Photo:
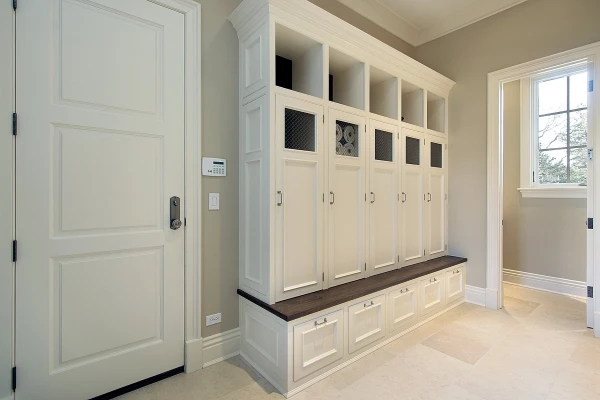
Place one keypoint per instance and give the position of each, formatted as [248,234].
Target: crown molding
[395,23]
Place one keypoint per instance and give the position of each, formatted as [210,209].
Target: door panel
[347,179]
[318,343]
[455,283]
[299,198]
[366,323]
[383,198]
[432,295]
[100,152]
[403,306]
[436,199]
[413,197]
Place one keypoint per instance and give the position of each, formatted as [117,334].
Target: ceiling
[420,21]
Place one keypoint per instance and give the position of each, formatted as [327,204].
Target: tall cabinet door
[383,198]
[347,178]
[298,195]
[413,196]
[436,197]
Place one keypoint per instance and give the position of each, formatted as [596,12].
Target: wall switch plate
[213,201]
[213,319]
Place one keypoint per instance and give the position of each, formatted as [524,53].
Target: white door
[436,198]
[413,196]
[347,179]
[299,197]
[100,99]
[383,198]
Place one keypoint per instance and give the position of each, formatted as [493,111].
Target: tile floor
[537,347]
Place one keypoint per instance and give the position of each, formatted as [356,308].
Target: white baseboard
[546,283]
[475,295]
[221,346]
[491,299]
[11,397]
[193,355]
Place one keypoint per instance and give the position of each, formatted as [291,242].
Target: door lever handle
[175,205]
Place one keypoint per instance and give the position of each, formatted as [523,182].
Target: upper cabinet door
[436,197]
[254,56]
[382,197]
[346,141]
[298,199]
[413,196]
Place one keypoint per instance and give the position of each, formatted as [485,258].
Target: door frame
[495,136]
[191,11]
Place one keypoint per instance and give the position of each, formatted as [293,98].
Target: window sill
[554,193]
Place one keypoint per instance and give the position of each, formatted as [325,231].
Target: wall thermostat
[214,166]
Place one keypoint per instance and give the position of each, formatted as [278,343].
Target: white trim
[221,346]
[546,283]
[475,295]
[390,20]
[554,192]
[495,163]
[193,355]
[11,397]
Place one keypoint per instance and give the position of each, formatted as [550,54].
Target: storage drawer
[432,294]
[455,283]
[403,306]
[366,323]
[318,343]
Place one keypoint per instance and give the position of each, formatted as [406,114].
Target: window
[554,133]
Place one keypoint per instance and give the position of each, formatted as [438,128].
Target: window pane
[579,128]
[300,130]
[384,145]
[578,166]
[552,131]
[553,166]
[553,95]
[579,92]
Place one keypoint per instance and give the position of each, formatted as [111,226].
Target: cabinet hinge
[323,118]
[423,253]
[323,276]
[15,5]
[365,197]
[323,197]
[185,222]
[398,258]
[14,379]
[590,292]
[590,86]
[533,175]
[14,124]
[14,251]
[590,223]
[365,266]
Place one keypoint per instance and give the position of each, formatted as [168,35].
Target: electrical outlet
[213,319]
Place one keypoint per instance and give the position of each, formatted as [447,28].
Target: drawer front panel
[318,343]
[403,307]
[455,283]
[432,294]
[366,323]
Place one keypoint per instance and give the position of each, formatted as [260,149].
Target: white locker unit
[347,143]
[321,155]
[383,197]
[437,189]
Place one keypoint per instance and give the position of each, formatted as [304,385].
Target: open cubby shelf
[413,104]
[383,93]
[436,113]
[346,80]
[299,62]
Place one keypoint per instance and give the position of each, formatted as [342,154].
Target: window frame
[530,138]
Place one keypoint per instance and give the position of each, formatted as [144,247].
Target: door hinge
[423,252]
[590,86]
[323,118]
[590,223]
[14,379]
[533,175]
[365,266]
[365,197]
[323,197]
[185,222]
[14,251]
[323,276]
[590,154]
[398,258]
[590,292]
[15,5]
[14,124]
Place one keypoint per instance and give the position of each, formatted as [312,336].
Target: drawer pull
[322,323]
[433,280]
[369,305]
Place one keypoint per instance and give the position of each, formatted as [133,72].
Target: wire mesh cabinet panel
[413,196]
[382,197]
[299,213]
[436,197]
[346,141]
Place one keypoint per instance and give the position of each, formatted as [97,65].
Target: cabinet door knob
[322,323]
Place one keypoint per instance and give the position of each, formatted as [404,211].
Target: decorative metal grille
[384,145]
[436,155]
[413,151]
[300,130]
[346,139]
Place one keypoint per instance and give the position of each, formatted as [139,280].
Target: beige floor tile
[587,352]
[576,382]
[519,308]
[461,342]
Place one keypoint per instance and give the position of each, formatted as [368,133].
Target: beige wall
[220,139]
[541,236]
[531,30]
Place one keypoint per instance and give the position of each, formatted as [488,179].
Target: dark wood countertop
[302,306]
